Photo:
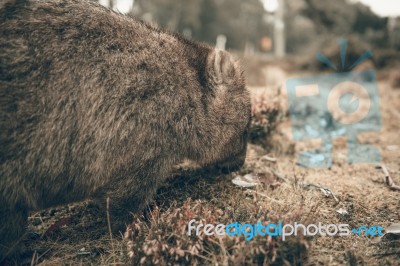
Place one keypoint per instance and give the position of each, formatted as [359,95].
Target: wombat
[95,104]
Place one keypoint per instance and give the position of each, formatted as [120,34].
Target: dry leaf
[249,180]
[326,191]
[342,211]
[269,179]
[56,226]
[267,158]
[393,229]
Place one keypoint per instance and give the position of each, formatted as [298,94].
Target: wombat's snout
[235,153]
[232,164]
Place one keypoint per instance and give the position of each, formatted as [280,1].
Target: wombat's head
[228,112]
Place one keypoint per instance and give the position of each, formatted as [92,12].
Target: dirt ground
[78,234]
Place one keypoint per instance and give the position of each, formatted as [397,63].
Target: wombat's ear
[221,67]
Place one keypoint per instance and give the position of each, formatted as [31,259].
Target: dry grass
[159,235]
[164,240]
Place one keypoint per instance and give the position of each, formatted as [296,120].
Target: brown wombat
[94,103]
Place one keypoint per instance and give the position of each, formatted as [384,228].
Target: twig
[388,180]
[34,259]
[109,225]
[327,192]
[385,254]
[268,158]
[279,176]
[42,255]
[198,255]
[266,196]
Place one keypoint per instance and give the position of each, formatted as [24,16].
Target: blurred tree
[208,20]
[330,16]
[342,18]
[240,21]
[172,14]
[366,19]
[244,22]
[111,3]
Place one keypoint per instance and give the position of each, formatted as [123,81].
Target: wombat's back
[93,103]
[81,90]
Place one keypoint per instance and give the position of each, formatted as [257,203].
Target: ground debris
[326,191]
[388,180]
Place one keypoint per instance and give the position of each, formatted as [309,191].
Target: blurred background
[274,27]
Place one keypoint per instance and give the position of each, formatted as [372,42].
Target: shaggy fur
[94,103]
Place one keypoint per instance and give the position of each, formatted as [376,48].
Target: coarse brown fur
[94,103]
